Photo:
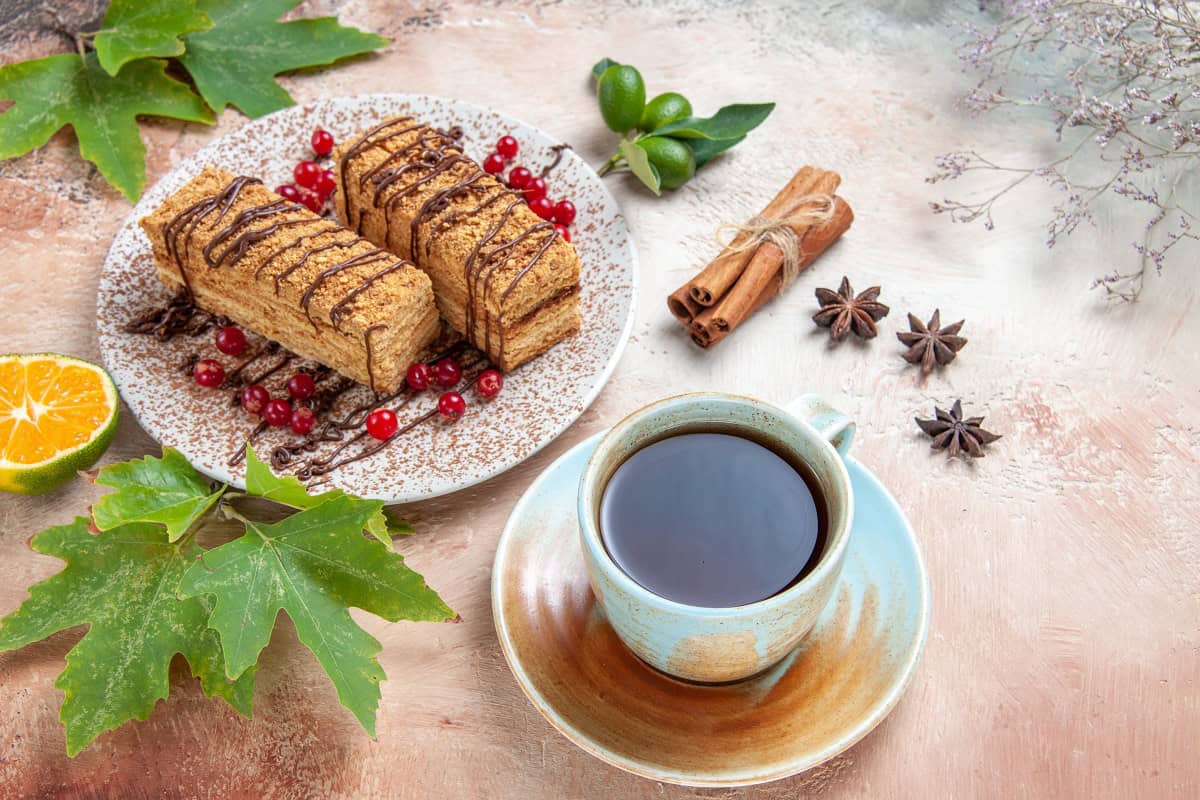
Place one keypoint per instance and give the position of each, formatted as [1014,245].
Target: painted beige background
[1065,651]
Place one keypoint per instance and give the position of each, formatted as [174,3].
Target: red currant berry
[255,399]
[288,191]
[231,341]
[311,201]
[277,413]
[418,377]
[452,406]
[325,184]
[507,147]
[305,174]
[493,164]
[447,372]
[303,420]
[562,231]
[489,383]
[519,177]
[301,386]
[322,142]
[382,423]
[536,188]
[209,373]
[564,212]
[542,207]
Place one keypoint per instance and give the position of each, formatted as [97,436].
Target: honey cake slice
[303,280]
[501,275]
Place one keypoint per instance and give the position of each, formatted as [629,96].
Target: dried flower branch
[1121,80]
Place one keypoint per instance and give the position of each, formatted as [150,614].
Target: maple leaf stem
[251,524]
[232,513]
[84,40]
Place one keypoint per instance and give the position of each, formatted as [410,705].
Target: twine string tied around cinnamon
[781,231]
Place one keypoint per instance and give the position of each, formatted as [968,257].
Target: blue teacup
[718,645]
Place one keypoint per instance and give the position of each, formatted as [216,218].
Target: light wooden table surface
[1065,567]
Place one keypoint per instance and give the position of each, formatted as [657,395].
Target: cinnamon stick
[715,279]
[763,264]
[706,333]
[762,278]
[682,306]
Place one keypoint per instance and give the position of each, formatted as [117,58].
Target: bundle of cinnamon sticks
[754,266]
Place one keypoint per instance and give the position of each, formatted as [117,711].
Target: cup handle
[829,422]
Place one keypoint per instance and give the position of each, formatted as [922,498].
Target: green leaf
[640,165]
[121,584]
[601,65]
[730,122]
[397,526]
[314,565]
[165,490]
[235,62]
[285,489]
[706,149]
[134,29]
[51,92]
[288,490]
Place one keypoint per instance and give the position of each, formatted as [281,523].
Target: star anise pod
[930,343]
[954,434]
[842,311]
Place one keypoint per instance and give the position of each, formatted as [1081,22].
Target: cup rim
[830,559]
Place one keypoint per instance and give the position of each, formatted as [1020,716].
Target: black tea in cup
[713,519]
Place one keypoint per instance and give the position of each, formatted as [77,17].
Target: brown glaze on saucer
[820,700]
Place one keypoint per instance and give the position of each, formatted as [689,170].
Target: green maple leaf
[285,489]
[134,29]
[165,490]
[396,526]
[314,565]
[74,90]
[289,491]
[235,62]
[121,584]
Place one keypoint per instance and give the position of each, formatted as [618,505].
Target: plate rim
[204,155]
[907,668]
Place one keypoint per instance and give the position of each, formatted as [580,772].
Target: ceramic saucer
[845,678]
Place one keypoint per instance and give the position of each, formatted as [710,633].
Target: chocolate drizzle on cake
[403,171]
[243,243]
[185,222]
[338,311]
[230,244]
[278,251]
[360,260]
[241,220]
[340,438]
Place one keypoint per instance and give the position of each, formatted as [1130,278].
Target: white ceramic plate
[539,400]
